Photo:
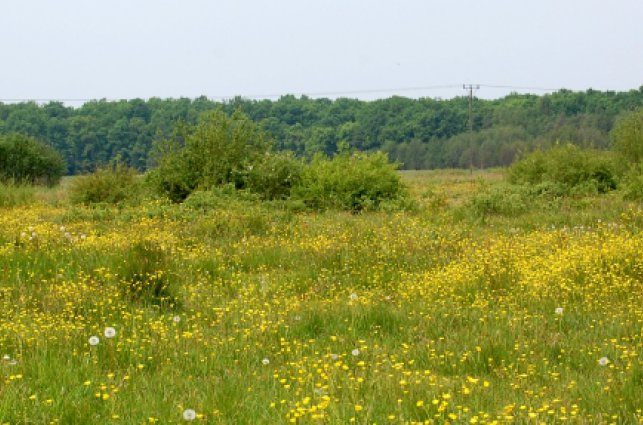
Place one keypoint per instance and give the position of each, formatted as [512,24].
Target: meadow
[476,306]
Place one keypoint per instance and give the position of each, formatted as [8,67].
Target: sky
[367,49]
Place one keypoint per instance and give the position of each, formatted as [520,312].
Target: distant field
[478,305]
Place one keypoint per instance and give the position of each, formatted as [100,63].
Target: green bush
[627,136]
[275,175]
[631,186]
[353,182]
[25,160]
[110,184]
[219,150]
[571,169]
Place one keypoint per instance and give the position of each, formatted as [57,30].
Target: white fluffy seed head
[189,414]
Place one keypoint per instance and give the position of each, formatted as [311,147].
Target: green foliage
[275,175]
[575,170]
[144,275]
[12,195]
[627,136]
[352,182]
[110,184]
[420,133]
[219,150]
[504,200]
[25,160]
[631,186]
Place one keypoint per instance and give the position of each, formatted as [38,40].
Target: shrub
[571,168]
[627,136]
[25,160]
[631,185]
[275,175]
[110,184]
[219,150]
[353,182]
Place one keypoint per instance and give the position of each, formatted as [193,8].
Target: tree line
[419,133]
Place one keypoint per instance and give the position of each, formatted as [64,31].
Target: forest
[420,133]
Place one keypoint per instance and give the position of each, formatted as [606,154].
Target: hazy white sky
[88,49]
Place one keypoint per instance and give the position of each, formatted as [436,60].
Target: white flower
[176,319]
[93,340]
[110,332]
[603,361]
[355,352]
[558,311]
[353,296]
[265,361]
[189,414]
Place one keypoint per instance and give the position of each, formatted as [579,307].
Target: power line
[323,93]
[500,86]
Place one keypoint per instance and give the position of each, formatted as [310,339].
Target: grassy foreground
[248,313]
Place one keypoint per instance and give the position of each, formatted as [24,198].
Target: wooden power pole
[471,88]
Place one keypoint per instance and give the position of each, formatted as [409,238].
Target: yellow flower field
[254,314]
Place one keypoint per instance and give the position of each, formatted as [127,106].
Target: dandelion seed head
[189,414]
[176,319]
[110,332]
[93,340]
[265,361]
[355,352]
[353,296]
[558,311]
[603,361]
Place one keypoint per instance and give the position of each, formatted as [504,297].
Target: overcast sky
[92,49]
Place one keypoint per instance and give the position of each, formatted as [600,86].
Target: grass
[432,315]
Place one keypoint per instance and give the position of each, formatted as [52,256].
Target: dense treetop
[421,133]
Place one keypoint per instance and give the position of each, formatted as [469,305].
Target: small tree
[627,136]
[219,150]
[25,160]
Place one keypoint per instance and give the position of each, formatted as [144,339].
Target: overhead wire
[312,94]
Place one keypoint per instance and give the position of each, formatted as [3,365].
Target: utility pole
[471,88]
